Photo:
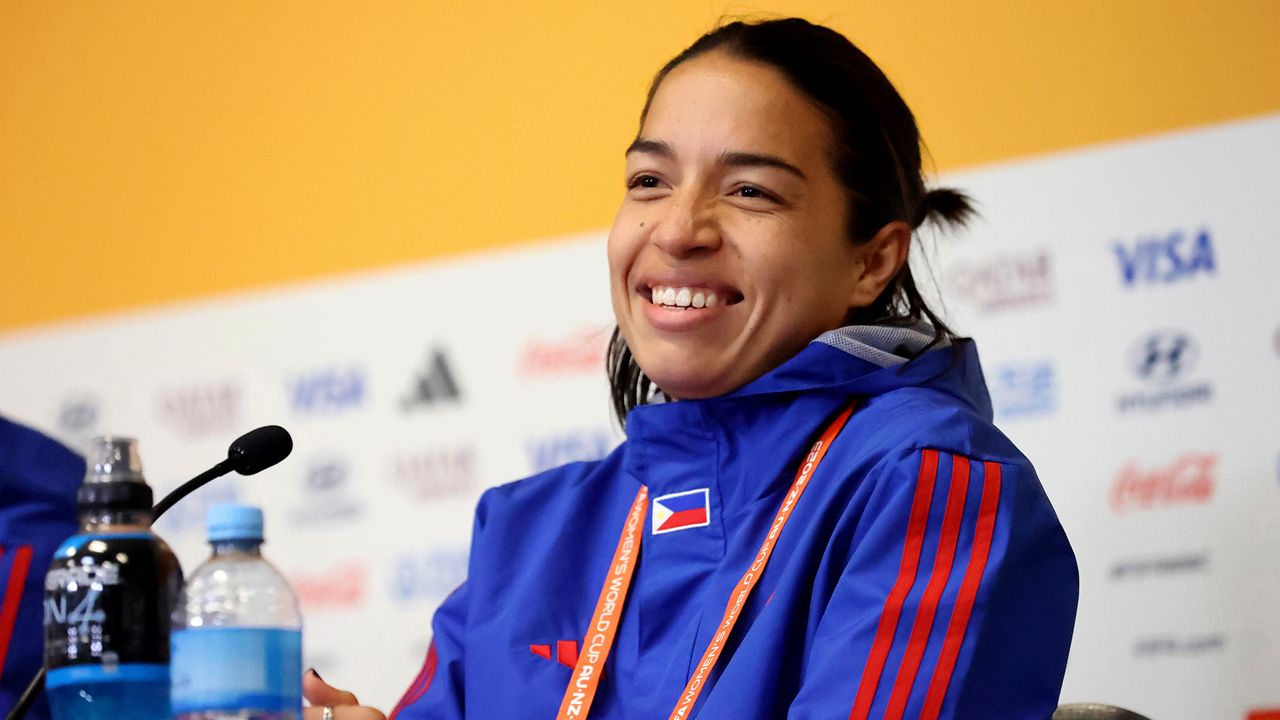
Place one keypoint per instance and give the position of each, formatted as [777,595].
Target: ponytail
[946,208]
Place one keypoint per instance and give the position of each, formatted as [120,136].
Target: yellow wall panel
[153,151]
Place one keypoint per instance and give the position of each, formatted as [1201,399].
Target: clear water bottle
[109,595]
[237,640]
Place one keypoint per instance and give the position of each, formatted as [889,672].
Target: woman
[721,563]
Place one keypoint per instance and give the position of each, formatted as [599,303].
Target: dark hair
[877,156]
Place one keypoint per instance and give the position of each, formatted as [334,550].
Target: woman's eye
[643,181]
[753,192]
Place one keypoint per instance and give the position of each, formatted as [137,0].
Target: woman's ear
[879,260]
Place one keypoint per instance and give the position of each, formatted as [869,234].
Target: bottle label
[237,668]
[108,600]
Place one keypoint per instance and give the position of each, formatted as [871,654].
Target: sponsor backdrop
[1126,313]
[1122,295]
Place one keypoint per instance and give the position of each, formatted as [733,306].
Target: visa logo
[327,390]
[1177,256]
[548,452]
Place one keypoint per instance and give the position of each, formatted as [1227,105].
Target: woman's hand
[345,705]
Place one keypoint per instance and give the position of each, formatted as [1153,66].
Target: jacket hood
[870,360]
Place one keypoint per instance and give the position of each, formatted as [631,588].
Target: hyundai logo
[325,476]
[1164,356]
[78,415]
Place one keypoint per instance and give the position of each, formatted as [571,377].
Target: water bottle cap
[234,522]
[113,459]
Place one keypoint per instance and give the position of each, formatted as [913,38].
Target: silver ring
[328,713]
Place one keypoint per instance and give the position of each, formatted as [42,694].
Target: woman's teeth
[684,297]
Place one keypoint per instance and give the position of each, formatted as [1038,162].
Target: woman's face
[731,250]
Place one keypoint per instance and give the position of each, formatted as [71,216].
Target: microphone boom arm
[189,487]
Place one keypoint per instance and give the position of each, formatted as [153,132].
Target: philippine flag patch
[681,511]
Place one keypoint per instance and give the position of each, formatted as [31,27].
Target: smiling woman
[812,515]
[767,154]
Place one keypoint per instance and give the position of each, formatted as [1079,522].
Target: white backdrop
[1128,316]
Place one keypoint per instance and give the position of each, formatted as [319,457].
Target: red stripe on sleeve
[421,684]
[12,599]
[968,592]
[916,527]
[942,563]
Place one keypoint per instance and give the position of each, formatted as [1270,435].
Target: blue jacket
[38,482]
[922,574]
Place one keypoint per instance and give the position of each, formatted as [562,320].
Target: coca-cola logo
[582,351]
[1189,480]
[341,586]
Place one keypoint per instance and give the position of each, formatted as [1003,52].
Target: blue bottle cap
[234,522]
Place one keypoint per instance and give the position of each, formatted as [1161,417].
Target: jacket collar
[745,441]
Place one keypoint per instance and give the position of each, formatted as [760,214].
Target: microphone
[249,454]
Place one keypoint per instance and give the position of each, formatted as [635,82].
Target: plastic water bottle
[109,595]
[237,640]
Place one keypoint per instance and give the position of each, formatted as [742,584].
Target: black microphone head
[259,449]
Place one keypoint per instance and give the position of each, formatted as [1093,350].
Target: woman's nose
[687,227]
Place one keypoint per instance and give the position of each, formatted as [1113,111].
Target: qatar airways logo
[580,352]
[1188,480]
[1004,282]
[341,586]
[436,473]
[200,409]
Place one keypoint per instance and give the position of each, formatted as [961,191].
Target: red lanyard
[581,691]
